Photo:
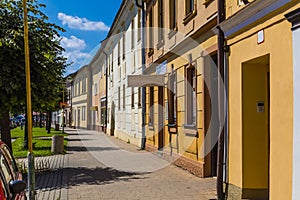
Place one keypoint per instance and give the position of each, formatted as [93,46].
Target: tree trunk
[41,116]
[5,129]
[49,122]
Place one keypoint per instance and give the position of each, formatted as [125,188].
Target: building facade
[95,66]
[80,100]
[123,51]
[181,49]
[260,99]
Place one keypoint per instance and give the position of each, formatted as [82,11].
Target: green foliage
[47,64]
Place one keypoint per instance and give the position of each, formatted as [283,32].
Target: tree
[47,64]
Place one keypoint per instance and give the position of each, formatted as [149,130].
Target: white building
[123,49]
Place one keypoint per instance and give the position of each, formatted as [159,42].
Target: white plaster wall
[296,145]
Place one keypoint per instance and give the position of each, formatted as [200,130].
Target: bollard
[57,144]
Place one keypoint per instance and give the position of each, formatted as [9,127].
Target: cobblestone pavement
[102,167]
[86,177]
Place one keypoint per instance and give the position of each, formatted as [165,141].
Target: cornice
[250,14]
[294,18]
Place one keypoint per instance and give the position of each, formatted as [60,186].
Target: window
[103,111]
[119,52]
[112,60]
[172,99]
[75,89]
[191,96]
[95,89]
[151,106]
[119,98]
[84,85]
[160,20]
[139,25]
[83,113]
[173,14]
[124,99]
[124,44]
[133,61]
[132,97]
[189,6]
[78,88]
[139,96]
[132,33]
[150,32]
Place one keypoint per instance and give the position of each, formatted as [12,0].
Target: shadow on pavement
[76,140]
[53,180]
[98,176]
[76,133]
[80,148]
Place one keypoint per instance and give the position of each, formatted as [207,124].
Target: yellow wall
[190,147]
[278,43]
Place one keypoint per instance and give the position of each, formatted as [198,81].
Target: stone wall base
[237,193]
[194,167]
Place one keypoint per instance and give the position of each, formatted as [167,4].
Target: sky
[86,23]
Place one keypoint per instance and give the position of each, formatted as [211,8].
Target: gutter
[142,7]
[221,100]
[106,91]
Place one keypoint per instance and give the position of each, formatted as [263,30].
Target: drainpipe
[106,91]
[142,7]
[221,100]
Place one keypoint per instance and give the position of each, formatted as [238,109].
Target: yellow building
[80,102]
[181,65]
[260,98]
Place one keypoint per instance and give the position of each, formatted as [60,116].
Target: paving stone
[97,166]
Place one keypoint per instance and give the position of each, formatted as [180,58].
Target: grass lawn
[36,132]
[41,139]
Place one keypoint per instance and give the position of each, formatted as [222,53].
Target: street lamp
[30,155]
[63,113]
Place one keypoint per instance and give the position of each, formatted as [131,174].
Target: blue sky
[86,24]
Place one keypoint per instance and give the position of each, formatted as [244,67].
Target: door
[211,118]
[255,128]
[160,118]
[78,118]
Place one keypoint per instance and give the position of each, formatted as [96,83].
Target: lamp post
[63,113]
[30,155]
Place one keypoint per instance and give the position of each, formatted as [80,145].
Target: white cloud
[75,22]
[72,43]
[74,52]
[76,56]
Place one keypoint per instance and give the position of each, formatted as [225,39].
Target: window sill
[160,44]
[151,52]
[151,127]
[172,32]
[207,2]
[190,130]
[190,126]
[189,17]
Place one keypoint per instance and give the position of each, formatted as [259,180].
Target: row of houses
[181,77]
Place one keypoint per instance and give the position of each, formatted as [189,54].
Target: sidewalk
[97,166]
